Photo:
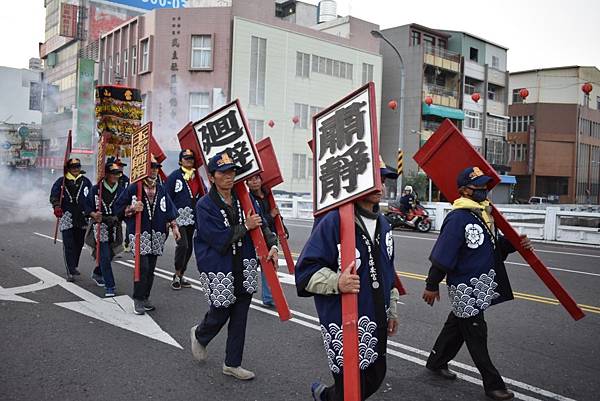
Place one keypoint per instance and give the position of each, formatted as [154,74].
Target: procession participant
[158,214]
[318,274]
[227,262]
[183,188]
[111,231]
[259,195]
[470,253]
[71,213]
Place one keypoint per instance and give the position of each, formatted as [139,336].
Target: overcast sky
[538,33]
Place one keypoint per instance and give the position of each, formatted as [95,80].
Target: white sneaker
[238,373]
[198,350]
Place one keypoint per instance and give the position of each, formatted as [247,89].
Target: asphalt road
[57,347]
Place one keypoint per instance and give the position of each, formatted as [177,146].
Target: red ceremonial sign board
[140,153]
[271,175]
[443,157]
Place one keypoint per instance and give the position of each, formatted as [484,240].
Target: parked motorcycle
[417,219]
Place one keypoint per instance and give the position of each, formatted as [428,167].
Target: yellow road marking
[518,295]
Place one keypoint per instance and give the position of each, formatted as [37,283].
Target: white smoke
[23,196]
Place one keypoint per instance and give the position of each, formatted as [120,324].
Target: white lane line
[417,351]
[47,236]
[557,268]
[587,255]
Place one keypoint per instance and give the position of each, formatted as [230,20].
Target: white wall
[283,88]
[14,102]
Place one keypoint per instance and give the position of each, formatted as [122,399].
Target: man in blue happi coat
[70,211]
[318,274]
[158,214]
[470,253]
[111,231]
[184,189]
[227,262]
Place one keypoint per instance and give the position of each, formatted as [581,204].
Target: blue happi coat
[108,227]
[227,265]
[155,218]
[181,194]
[322,250]
[73,202]
[472,256]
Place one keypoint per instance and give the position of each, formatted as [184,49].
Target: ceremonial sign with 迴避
[225,130]
[345,150]
[140,153]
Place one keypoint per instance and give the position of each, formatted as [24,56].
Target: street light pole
[379,35]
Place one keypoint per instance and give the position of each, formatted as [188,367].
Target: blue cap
[221,162]
[472,176]
[186,154]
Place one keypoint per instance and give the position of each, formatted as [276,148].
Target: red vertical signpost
[62,186]
[346,168]
[271,176]
[444,155]
[140,169]
[99,177]
[226,130]
[188,140]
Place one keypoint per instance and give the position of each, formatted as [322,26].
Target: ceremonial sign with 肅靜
[225,130]
[140,153]
[346,161]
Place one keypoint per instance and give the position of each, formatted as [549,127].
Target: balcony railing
[433,89]
[442,58]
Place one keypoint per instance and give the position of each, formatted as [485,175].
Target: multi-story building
[71,34]
[433,72]
[554,134]
[484,95]
[257,52]
[21,144]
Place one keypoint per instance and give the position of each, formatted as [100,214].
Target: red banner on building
[68,20]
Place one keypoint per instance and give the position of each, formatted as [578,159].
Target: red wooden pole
[282,237]
[262,252]
[99,225]
[138,229]
[538,266]
[349,306]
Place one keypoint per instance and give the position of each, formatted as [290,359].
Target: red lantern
[428,100]
[524,93]
[587,88]
[392,104]
[295,119]
[271,123]
[475,96]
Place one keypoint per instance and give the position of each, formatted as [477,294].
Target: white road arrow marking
[10,294]
[117,311]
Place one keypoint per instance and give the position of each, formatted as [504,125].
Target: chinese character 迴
[338,130]
[221,131]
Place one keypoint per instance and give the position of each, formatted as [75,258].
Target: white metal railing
[550,224]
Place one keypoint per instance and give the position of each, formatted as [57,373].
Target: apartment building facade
[554,134]
[281,71]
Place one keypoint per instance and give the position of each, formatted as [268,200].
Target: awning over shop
[443,111]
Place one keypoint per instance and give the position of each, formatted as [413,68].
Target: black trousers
[472,331]
[142,288]
[73,240]
[184,248]
[370,381]
[216,318]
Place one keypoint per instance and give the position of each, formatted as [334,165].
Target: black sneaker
[184,283]
[148,306]
[75,272]
[176,283]
[98,280]
[138,307]
[70,278]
